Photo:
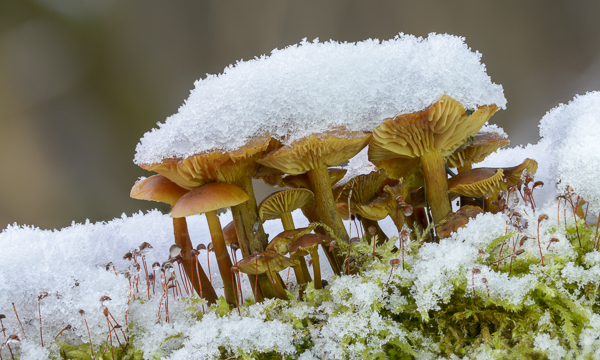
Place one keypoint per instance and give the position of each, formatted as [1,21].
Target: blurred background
[82,81]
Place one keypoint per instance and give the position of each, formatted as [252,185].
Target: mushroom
[308,244]
[386,204]
[478,183]
[513,174]
[159,188]
[281,245]
[457,220]
[268,262]
[430,135]
[235,167]
[207,199]
[280,204]
[362,189]
[475,150]
[312,155]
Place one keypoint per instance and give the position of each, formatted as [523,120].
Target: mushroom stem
[467,166]
[222,255]
[437,188]
[325,204]
[317,268]
[182,238]
[287,221]
[279,289]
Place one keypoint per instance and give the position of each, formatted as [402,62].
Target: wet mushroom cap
[474,151]
[455,221]
[230,234]
[282,242]
[283,201]
[157,188]
[476,182]
[403,167]
[309,241]
[257,264]
[209,197]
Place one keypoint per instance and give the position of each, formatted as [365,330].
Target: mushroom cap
[157,188]
[283,201]
[230,234]
[513,174]
[381,207]
[301,180]
[329,148]
[403,167]
[257,264]
[209,197]
[342,209]
[364,187]
[282,242]
[483,144]
[271,177]
[215,166]
[443,127]
[454,221]
[476,182]
[308,242]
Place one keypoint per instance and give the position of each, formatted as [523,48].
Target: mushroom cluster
[410,152]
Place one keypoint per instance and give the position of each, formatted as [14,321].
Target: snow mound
[313,86]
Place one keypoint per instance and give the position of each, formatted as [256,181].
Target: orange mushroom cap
[209,197]
[157,188]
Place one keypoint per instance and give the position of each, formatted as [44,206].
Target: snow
[315,86]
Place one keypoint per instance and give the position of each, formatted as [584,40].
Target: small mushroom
[268,262]
[478,183]
[159,188]
[207,199]
[308,244]
[457,220]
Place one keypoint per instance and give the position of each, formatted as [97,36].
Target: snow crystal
[234,334]
[312,86]
[551,347]
[439,265]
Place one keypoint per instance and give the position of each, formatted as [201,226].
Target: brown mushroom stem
[222,255]
[437,188]
[305,272]
[182,238]
[381,236]
[316,268]
[324,202]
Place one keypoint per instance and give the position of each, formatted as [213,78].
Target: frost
[312,86]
